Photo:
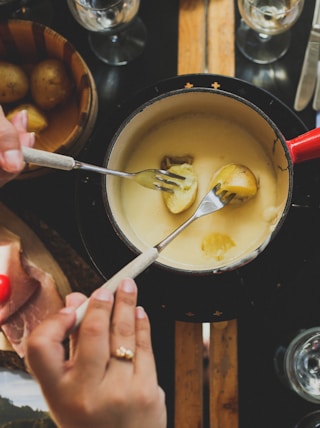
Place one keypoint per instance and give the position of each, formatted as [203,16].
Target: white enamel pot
[147,205]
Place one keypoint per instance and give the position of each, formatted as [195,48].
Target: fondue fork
[156,179]
[213,201]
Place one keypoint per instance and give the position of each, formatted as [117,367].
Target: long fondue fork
[156,179]
[213,201]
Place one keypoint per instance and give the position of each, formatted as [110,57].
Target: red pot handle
[305,146]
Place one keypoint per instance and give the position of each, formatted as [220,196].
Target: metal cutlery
[316,98]
[213,201]
[156,179]
[309,70]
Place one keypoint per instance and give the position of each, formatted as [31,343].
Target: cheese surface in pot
[212,142]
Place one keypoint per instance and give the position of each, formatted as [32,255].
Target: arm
[94,388]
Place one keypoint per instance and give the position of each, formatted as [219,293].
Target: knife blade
[309,70]
[316,98]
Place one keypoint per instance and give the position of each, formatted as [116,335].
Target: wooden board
[192,37]
[34,249]
[188,336]
[223,355]
[36,252]
[221,37]
[223,375]
[206,44]
[188,375]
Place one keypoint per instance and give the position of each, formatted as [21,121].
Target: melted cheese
[213,143]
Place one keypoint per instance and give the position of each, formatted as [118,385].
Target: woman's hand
[13,135]
[93,387]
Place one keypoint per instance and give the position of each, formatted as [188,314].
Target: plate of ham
[32,285]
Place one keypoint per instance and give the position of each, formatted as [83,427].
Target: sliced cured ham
[33,292]
[45,301]
[22,285]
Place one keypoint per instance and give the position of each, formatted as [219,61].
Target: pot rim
[279,137]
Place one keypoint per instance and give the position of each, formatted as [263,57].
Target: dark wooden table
[271,297]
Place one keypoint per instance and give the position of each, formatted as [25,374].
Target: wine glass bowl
[263,35]
[104,15]
[298,364]
[116,34]
[311,420]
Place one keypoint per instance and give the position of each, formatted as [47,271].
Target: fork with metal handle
[156,179]
[213,201]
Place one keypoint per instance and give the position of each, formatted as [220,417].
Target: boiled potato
[169,161]
[50,84]
[238,179]
[14,83]
[216,244]
[183,196]
[37,121]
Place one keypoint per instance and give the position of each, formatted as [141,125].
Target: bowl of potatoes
[41,71]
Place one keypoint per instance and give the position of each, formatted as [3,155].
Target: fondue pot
[282,154]
[203,297]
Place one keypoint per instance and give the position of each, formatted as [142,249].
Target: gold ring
[123,353]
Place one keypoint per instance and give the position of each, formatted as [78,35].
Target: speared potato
[37,121]
[183,196]
[238,179]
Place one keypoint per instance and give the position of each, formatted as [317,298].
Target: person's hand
[93,388]
[13,135]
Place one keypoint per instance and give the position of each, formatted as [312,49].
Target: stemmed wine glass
[311,420]
[117,35]
[298,364]
[263,35]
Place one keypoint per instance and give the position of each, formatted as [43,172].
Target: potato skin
[50,84]
[14,83]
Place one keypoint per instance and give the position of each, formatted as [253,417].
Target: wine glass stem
[115,38]
[264,37]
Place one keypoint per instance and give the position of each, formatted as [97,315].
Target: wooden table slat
[223,375]
[206,44]
[192,37]
[223,350]
[188,336]
[188,375]
[221,44]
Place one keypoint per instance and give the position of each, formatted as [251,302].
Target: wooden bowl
[26,43]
